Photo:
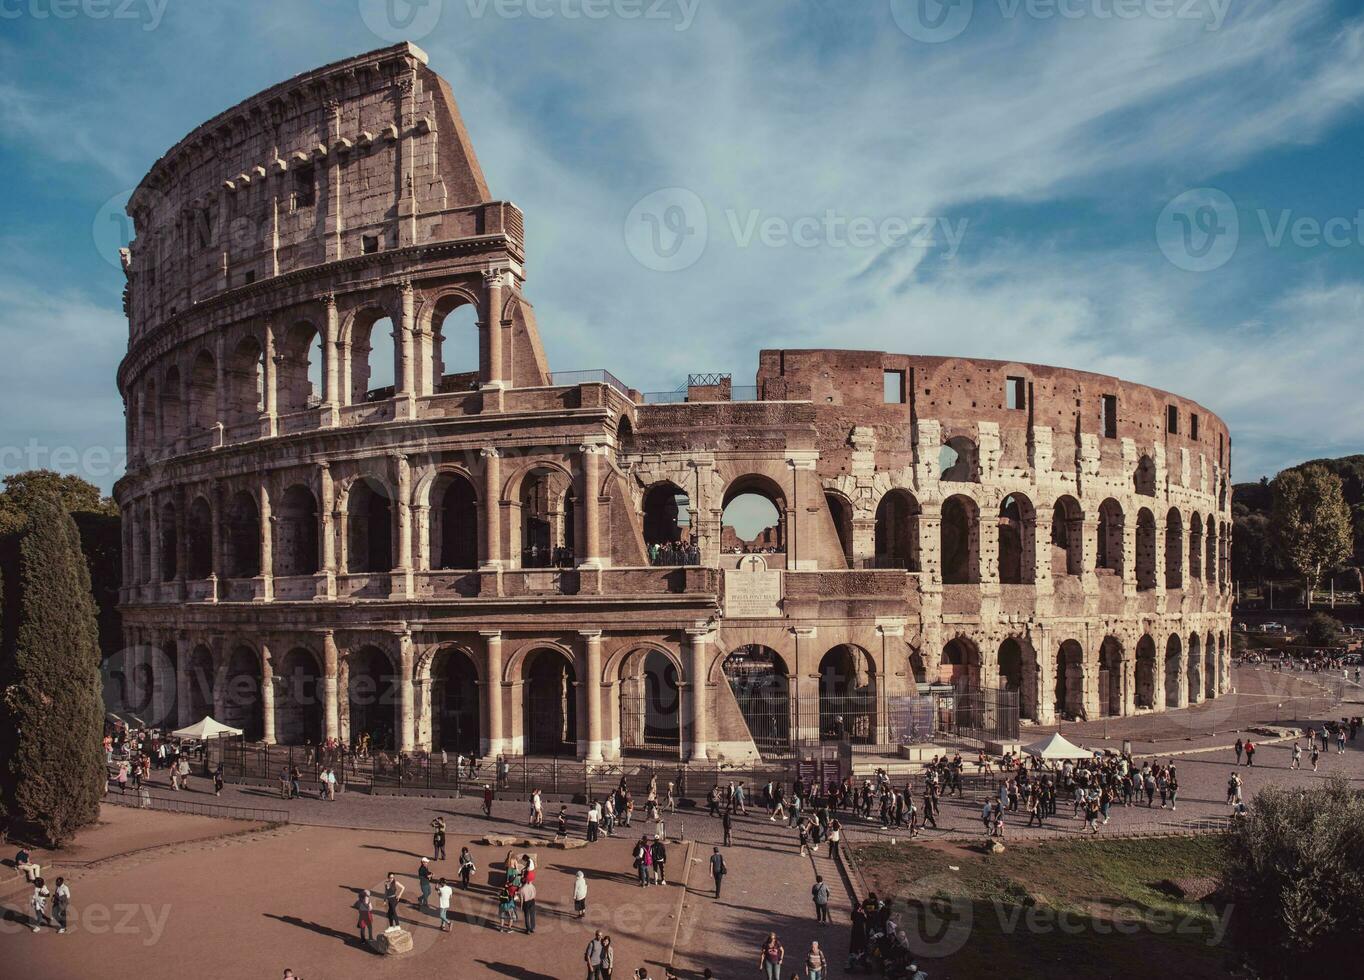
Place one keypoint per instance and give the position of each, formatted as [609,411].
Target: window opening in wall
[305,187]
[893,387]
[248,277]
[1172,419]
[1110,418]
[1015,393]
[1193,426]
[369,244]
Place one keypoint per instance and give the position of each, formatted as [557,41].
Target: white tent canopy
[1057,746]
[206,727]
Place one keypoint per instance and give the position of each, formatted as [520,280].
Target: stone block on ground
[393,941]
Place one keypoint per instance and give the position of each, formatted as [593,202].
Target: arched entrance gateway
[1018,674]
[650,704]
[1145,692]
[761,684]
[372,697]
[1195,670]
[298,699]
[241,694]
[1210,676]
[1174,680]
[1070,681]
[1111,680]
[454,702]
[847,696]
[550,704]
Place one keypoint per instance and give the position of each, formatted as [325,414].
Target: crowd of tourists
[674,553]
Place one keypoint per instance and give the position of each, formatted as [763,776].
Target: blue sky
[1079,177]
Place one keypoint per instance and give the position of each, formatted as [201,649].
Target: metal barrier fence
[143,799]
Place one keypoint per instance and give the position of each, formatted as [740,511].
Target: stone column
[1129,554]
[492,695]
[330,368]
[154,531]
[223,411]
[407,371]
[330,707]
[698,659]
[492,508]
[401,579]
[406,694]
[267,694]
[590,495]
[804,686]
[216,571]
[267,548]
[492,327]
[326,586]
[184,681]
[930,547]
[1041,552]
[892,645]
[592,689]
[271,364]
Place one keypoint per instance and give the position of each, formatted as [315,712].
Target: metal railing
[569,378]
[143,799]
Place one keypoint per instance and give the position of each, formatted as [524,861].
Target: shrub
[1322,630]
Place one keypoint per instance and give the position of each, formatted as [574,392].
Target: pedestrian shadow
[317,927]
[392,850]
[510,970]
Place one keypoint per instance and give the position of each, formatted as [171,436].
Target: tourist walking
[424,883]
[717,869]
[487,800]
[443,895]
[365,919]
[1297,756]
[438,839]
[1240,747]
[61,904]
[466,868]
[770,957]
[1250,750]
[38,904]
[820,893]
[580,895]
[835,837]
[815,963]
[727,824]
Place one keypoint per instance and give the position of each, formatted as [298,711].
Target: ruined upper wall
[367,154]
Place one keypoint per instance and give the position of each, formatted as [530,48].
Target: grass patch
[1091,908]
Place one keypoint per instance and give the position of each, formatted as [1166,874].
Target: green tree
[1310,523]
[51,716]
[1295,866]
[78,496]
[1322,630]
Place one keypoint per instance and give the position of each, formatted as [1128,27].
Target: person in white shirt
[38,902]
[443,894]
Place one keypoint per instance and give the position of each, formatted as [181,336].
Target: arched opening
[298,699]
[369,527]
[200,684]
[455,344]
[298,375]
[203,392]
[960,665]
[1016,521]
[1069,701]
[1110,678]
[847,696]
[1223,668]
[960,540]
[241,539]
[650,705]
[958,461]
[667,522]
[199,550]
[551,704]
[296,532]
[918,669]
[547,519]
[144,545]
[454,702]
[1174,549]
[1144,477]
[454,522]
[897,531]
[1067,541]
[761,684]
[1195,548]
[1011,669]
[1210,675]
[1145,693]
[372,695]
[625,436]
[373,358]
[1174,666]
[1110,532]
[1195,669]
[245,378]
[172,408]
[169,544]
[1146,550]
[1210,557]
[147,422]
[753,518]
[241,697]
[840,512]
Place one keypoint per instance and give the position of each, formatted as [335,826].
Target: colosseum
[359,502]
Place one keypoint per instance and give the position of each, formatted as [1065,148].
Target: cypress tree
[53,705]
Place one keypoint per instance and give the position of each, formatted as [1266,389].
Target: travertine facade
[463,558]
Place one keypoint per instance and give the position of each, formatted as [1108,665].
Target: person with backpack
[1250,753]
[717,869]
[815,963]
[466,867]
[819,892]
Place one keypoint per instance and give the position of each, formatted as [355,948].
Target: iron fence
[142,798]
[984,713]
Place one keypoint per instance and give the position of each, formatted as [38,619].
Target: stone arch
[897,530]
[1144,477]
[203,392]
[667,510]
[1223,666]
[847,695]
[1016,662]
[172,407]
[1210,675]
[550,702]
[245,379]
[372,335]
[458,348]
[959,532]
[369,526]
[750,500]
[1017,560]
[454,515]
[959,460]
[1195,547]
[199,539]
[1146,550]
[1174,672]
[148,415]
[241,696]
[299,362]
[299,697]
[650,701]
[546,515]
[1195,669]
[1069,699]
[1067,537]
[456,715]
[1174,549]
[372,686]
[960,664]
[199,687]
[1108,544]
[1144,695]
[296,529]
[841,515]
[760,681]
[1112,679]
[241,536]
[1210,548]
[169,544]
